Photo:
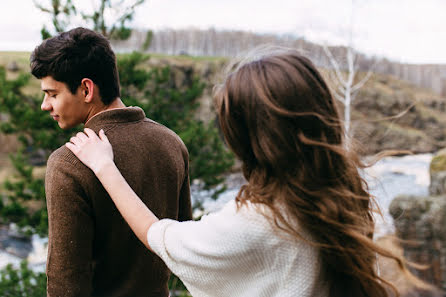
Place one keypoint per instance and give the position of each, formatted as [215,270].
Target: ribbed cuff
[155,236]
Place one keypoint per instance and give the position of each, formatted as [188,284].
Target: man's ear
[87,89]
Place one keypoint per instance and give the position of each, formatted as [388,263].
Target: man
[92,251]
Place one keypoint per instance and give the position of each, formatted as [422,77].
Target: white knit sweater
[234,253]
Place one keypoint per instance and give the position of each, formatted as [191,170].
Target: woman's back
[238,253]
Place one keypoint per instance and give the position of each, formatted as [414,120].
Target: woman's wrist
[104,168]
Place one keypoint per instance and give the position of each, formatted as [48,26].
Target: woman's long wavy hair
[279,117]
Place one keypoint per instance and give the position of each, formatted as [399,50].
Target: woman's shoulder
[247,212]
[247,219]
[237,219]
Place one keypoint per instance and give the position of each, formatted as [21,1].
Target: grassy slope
[22,60]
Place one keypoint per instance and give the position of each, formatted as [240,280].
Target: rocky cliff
[388,113]
[421,222]
[393,114]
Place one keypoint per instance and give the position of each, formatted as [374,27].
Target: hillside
[394,114]
[421,128]
[388,113]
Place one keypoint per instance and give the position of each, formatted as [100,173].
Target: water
[390,177]
[15,249]
[395,176]
[387,179]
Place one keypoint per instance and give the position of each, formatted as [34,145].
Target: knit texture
[237,253]
[92,251]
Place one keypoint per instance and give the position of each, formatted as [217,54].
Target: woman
[301,226]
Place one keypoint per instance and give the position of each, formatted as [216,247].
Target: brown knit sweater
[92,251]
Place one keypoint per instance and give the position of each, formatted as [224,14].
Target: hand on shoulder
[95,152]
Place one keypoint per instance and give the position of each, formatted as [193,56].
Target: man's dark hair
[77,54]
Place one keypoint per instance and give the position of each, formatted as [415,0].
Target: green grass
[22,58]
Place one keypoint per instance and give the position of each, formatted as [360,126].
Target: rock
[14,243]
[235,180]
[437,170]
[390,271]
[420,222]
[438,183]
[13,66]
[38,157]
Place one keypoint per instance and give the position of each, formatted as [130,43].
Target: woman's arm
[134,211]
[97,154]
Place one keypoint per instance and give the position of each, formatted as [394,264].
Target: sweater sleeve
[69,262]
[185,207]
[195,250]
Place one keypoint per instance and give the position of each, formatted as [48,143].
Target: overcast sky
[412,31]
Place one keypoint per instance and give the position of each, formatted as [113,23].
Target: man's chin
[64,126]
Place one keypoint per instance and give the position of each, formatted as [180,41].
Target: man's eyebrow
[49,90]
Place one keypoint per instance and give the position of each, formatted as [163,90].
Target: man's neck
[117,103]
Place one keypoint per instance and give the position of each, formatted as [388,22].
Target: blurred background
[385,62]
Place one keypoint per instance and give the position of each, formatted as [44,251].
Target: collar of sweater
[117,115]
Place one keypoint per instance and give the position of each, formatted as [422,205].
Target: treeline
[213,42]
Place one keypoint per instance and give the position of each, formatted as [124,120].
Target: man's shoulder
[159,128]
[162,132]
[65,171]
[62,157]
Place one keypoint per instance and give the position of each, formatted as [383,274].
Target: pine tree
[22,282]
[38,135]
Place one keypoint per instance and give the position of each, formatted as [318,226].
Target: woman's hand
[95,152]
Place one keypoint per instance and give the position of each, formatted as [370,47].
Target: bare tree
[344,77]
[345,84]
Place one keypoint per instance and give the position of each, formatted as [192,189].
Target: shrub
[22,282]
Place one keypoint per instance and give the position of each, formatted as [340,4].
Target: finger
[82,136]
[76,140]
[103,136]
[72,147]
[90,133]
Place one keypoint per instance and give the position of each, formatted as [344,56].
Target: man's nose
[46,106]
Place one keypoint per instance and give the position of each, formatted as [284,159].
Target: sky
[408,31]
